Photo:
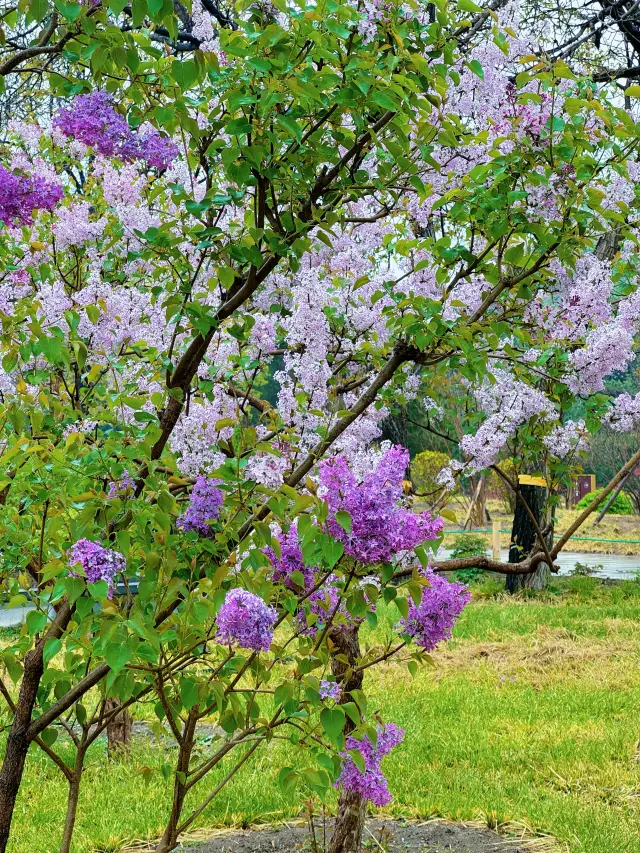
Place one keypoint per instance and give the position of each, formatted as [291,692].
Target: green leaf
[332,721]
[403,606]
[633,91]
[51,649]
[36,621]
[188,693]
[117,655]
[344,520]
[469,6]
[185,73]
[477,69]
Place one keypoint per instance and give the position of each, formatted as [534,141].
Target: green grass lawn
[530,715]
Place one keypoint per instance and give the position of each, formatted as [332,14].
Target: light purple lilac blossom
[98,563]
[246,621]
[432,621]
[330,690]
[20,195]
[371,784]
[93,120]
[204,506]
[380,525]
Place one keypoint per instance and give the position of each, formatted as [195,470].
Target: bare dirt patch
[390,836]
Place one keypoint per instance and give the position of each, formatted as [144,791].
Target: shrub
[622,505]
[469,545]
[425,467]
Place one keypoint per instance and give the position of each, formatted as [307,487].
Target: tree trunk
[74,795]
[169,839]
[118,730]
[524,538]
[349,824]
[18,742]
[478,514]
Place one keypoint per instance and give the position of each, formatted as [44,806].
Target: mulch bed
[390,836]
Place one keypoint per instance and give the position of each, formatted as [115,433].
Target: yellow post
[496,540]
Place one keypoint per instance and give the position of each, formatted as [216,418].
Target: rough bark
[20,737]
[478,510]
[524,538]
[18,742]
[349,825]
[118,730]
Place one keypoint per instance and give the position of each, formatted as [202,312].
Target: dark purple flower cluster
[246,621]
[92,119]
[432,621]
[380,525]
[98,563]
[204,506]
[20,195]
[289,561]
[371,784]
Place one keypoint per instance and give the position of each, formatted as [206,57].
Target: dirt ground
[389,836]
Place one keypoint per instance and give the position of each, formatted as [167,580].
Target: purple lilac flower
[380,526]
[330,690]
[20,195]
[98,563]
[371,784]
[155,149]
[204,506]
[121,488]
[322,603]
[245,620]
[92,119]
[432,621]
[289,561]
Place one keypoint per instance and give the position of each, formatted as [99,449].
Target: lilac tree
[346,205]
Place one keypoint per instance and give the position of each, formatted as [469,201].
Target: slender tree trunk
[524,537]
[349,825]
[478,513]
[74,794]
[118,730]
[18,741]
[170,837]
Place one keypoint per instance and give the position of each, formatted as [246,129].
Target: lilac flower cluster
[624,414]
[93,120]
[20,195]
[380,526]
[204,506]
[289,561]
[124,487]
[245,620]
[322,603]
[371,784]
[98,563]
[432,621]
[330,690]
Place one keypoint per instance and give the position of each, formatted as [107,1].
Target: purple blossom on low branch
[20,195]
[372,785]
[204,506]
[432,621]
[246,621]
[98,563]
[380,525]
